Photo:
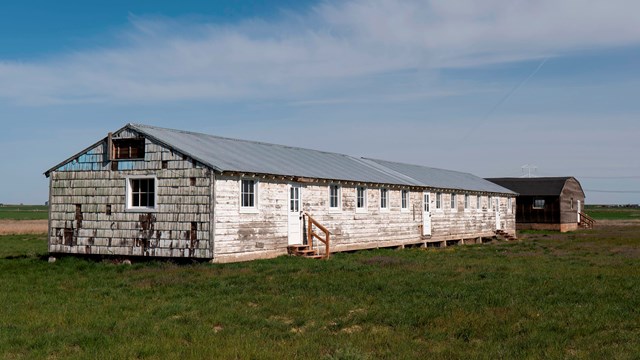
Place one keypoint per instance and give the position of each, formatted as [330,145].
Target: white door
[579,209]
[426,214]
[294,208]
[497,208]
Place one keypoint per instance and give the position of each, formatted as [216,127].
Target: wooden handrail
[587,220]
[312,234]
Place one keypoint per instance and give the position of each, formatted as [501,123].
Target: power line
[610,177]
[505,98]
[615,191]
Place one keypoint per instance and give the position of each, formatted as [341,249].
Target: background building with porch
[548,203]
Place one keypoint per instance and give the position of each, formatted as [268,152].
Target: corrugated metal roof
[440,178]
[541,186]
[225,154]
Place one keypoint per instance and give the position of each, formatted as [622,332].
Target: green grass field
[24,212]
[557,296]
[601,213]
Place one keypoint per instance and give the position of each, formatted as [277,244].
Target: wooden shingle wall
[88,206]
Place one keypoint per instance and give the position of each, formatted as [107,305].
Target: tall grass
[578,297]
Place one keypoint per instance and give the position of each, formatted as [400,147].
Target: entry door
[426,214]
[579,210]
[295,221]
[497,207]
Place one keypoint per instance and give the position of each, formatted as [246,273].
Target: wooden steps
[586,221]
[505,235]
[304,251]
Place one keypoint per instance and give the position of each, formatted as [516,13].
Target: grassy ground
[602,213]
[24,212]
[573,295]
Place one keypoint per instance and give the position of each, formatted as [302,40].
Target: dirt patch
[12,227]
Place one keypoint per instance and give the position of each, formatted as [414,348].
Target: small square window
[538,203]
[141,193]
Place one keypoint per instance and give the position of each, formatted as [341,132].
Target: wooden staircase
[309,250]
[505,235]
[586,221]
[304,251]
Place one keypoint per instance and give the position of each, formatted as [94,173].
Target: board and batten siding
[83,190]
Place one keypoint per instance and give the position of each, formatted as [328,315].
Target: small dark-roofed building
[546,203]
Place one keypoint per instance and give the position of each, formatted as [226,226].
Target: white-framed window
[571,203]
[361,199]
[466,201]
[335,202]
[248,195]
[489,202]
[142,193]
[509,205]
[294,199]
[384,199]
[538,203]
[478,202]
[454,202]
[438,201]
[405,199]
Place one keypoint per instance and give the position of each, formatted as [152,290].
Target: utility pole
[526,170]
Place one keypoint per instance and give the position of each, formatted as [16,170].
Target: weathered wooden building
[548,203]
[149,191]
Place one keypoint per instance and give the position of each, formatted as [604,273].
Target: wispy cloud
[333,45]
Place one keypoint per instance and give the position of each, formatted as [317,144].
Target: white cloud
[333,45]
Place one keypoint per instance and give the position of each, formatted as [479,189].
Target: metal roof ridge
[136,126]
[387,171]
[422,166]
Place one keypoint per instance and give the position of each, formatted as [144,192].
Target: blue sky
[482,87]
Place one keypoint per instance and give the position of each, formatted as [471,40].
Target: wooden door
[294,209]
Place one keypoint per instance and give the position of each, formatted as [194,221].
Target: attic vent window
[128,149]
